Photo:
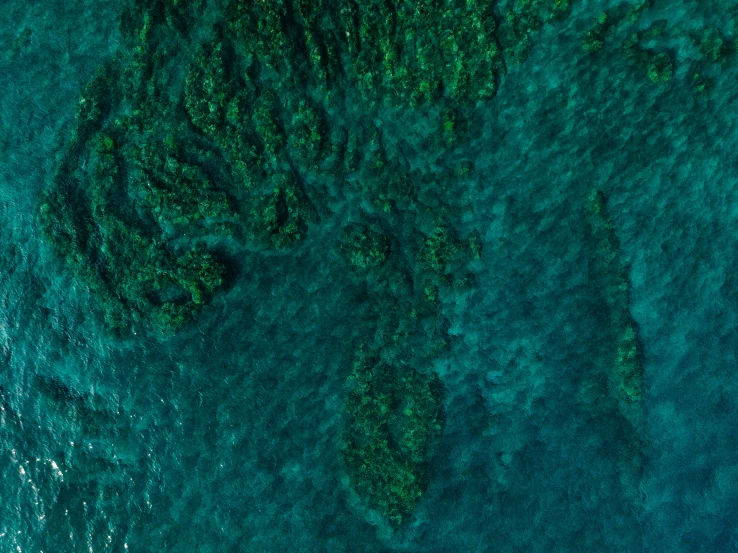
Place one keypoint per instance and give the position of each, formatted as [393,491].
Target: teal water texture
[227,435]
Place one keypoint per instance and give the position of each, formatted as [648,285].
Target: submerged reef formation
[623,356]
[238,123]
[393,415]
[393,410]
[224,148]
[650,42]
[124,191]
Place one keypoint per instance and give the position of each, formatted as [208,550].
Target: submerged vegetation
[190,145]
[652,44]
[164,165]
[626,376]
[393,415]
[224,148]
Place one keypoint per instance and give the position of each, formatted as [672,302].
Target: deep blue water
[226,437]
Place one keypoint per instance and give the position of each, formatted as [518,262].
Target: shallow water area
[227,435]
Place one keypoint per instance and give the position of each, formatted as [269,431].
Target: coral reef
[626,377]
[186,139]
[393,415]
[654,48]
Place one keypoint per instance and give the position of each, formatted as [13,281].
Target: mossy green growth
[401,53]
[522,20]
[261,28]
[441,248]
[637,10]
[393,192]
[136,278]
[658,65]
[714,47]
[515,34]
[219,105]
[454,128]
[123,183]
[177,192]
[159,160]
[626,378]
[267,126]
[364,248]
[177,15]
[595,38]
[561,8]
[393,416]
[306,139]
[660,68]
[701,84]
[208,90]
[393,50]
[442,259]
[283,216]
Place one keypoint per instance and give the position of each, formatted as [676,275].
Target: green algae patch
[657,49]
[658,66]
[406,53]
[159,167]
[212,134]
[626,376]
[392,418]
[191,141]
[443,258]
[595,37]
[282,216]
[522,20]
[364,248]
[393,407]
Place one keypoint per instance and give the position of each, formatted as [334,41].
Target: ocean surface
[226,436]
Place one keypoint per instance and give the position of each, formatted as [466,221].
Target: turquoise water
[226,436]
